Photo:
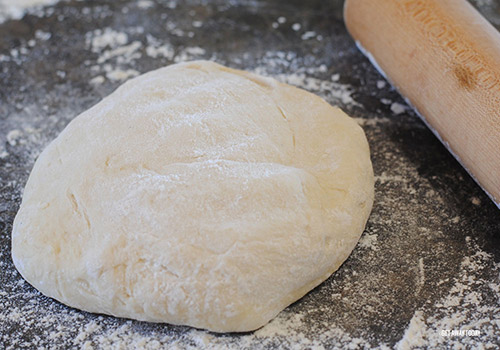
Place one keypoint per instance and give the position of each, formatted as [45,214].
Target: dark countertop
[429,261]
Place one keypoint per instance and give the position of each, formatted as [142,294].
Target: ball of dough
[195,195]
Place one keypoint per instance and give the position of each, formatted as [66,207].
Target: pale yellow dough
[196,195]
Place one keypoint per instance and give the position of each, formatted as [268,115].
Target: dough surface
[197,195]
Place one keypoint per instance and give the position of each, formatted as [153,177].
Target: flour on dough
[195,195]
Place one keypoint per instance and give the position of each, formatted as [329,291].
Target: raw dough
[196,195]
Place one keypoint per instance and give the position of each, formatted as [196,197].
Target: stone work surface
[426,273]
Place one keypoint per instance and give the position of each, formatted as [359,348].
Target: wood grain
[444,57]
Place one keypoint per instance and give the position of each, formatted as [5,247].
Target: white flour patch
[145,4]
[368,241]
[420,277]
[374,121]
[117,55]
[121,75]
[166,51]
[384,177]
[285,331]
[476,201]
[305,77]
[97,80]
[189,54]
[398,108]
[16,9]
[336,91]
[100,39]
[414,335]
[451,322]
[157,49]
[123,54]
[13,137]
[308,35]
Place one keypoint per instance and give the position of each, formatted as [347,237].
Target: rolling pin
[444,58]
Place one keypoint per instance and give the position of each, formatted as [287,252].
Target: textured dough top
[197,195]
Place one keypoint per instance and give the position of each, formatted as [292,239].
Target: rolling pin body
[444,58]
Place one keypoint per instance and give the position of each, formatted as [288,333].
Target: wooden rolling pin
[444,58]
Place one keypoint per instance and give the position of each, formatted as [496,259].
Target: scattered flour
[384,177]
[157,48]
[308,35]
[13,137]
[368,241]
[117,57]
[41,35]
[123,54]
[197,24]
[99,39]
[429,328]
[166,51]
[120,75]
[16,9]
[190,53]
[420,277]
[97,80]
[414,335]
[476,201]
[373,121]
[450,322]
[145,4]
[398,108]
[338,92]
[117,54]
[304,77]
